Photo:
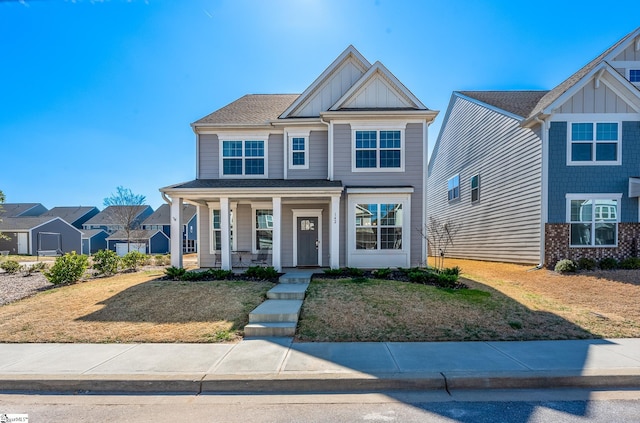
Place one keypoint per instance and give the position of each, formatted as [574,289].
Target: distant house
[22,210]
[93,240]
[144,241]
[161,220]
[108,220]
[75,216]
[540,176]
[39,236]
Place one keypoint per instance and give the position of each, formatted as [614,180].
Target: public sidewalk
[278,365]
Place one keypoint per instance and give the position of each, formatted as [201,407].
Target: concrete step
[288,291]
[265,329]
[276,311]
[296,277]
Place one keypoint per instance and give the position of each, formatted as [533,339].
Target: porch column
[225,235]
[176,232]
[277,230]
[334,233]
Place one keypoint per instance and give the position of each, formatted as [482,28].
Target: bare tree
[125,208]
[440,235]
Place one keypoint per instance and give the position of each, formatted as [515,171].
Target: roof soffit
[378,77]
[350,56]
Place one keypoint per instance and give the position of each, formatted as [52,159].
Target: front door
[308,241]
[23,243]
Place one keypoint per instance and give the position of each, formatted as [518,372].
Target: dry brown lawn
[504,302]
[134,307]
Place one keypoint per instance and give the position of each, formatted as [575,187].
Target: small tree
[2,198]
[440,235]
[125,209]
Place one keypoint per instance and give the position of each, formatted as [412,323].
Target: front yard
[504,302]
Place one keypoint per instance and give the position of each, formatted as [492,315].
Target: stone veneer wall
[557,244]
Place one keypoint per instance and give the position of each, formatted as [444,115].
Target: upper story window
[475,188]
[453,188]
[634,75]
[298,152]
[594,143]
[243,158]
[378,150]
[594,219]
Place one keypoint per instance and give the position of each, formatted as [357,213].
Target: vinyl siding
[276,156]
[208,162]
[505,224]
[288,234]
[591,100]
[204,241]
[629,54]
[71,238]
[318,150]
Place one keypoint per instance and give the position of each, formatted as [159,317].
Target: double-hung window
[378,150]
[263,229]
[298,152]
[243,158]
[378,226]
[593,219]
[475,188]
[216,230]
[594,143]
[453,187]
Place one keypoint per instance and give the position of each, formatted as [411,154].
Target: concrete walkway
[279,365]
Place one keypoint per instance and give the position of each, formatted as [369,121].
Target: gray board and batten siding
[504,225]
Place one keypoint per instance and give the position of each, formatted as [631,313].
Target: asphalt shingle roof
[138,234]
[106,216]
[162,216]
[252,109]
[68,214]
[16,209]
[22,223]
[90,233]
[519,103]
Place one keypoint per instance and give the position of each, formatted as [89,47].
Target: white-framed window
[453,187]
[262,229]
[475,188]
[593,219]
[243,158]
[594,143]
[216,231]
[634,75]
[378,150]
[298,152]
[378,226]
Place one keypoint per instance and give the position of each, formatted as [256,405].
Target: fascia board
[428,115]
[349,51]
[204,193]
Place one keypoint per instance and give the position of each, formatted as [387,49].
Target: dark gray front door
[308,241]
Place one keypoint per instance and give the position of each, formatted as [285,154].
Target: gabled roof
[90,233]
[69,214]
[22,224]
[252,109]
[162,216]
[108,216]
[519,103]
[349,57]
[568,83]
[17,209]
[138,234]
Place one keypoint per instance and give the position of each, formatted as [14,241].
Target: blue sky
[97,94]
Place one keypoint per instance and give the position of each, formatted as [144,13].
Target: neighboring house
[161,220]
[144,241]
[109,220]
[539,176]
[75,216]
[21,209]
[39,236]
[93,240]
[286,177]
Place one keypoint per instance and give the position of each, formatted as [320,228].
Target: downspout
[544,203]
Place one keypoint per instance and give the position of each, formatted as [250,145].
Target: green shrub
[219,274]
[175,273]
[106,262]
[35,267]
[423,277]
[630,263]
[333,272]
[382,273]
[262,273]
[192,276]
[355,272]
[10,266]
[445,280]
[608,263]
[451,271]
[67,269]
[586,263]
[133,259]
[565,266]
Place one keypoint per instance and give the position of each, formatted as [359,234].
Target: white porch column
[225,235]
[276,259]
[334,233]
[176,232]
